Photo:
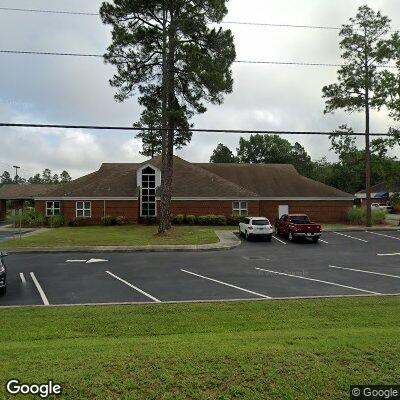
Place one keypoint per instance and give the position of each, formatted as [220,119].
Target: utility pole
[16,172]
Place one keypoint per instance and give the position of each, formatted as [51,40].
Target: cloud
[76,91]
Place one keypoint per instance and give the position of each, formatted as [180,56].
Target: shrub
[55,221]
[378,216]
[108,220]
[121,220]
[148,220]
[235,220]
[178,219]
[28,218]
[216,220]
[202,220]
[191,219]
[358,216]
[79,221]
[395,201]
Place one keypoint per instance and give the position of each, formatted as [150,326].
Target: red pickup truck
[295,226]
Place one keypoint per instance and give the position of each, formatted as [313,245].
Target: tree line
[46,177]
[346,174]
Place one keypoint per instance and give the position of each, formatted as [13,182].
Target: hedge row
[358,216]
[213,220]
[30,218]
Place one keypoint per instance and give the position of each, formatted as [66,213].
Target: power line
[267,24]
[84,55]
[130,128]
[48,11]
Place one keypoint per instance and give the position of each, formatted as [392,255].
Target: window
[240,208]
[300,219]
[52,208]
[83,209]
[148,195]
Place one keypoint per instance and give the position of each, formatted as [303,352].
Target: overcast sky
[63,90]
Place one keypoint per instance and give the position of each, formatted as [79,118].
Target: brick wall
[115,208]
[207,207]
[2,210]
[318,211]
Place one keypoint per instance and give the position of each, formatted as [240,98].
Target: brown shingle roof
[381,188]
[273,180]
[111,180]
[189,180]
[25,191]
[201,181]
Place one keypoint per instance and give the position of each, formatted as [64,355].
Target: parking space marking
[40,290]
[351,237]
[366,272]
[388,255]
[134,287]
[226,284]
[22,276]
[381,234]
[323,241]
[279,240]
[318,280]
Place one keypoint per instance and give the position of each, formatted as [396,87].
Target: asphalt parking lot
[343,264]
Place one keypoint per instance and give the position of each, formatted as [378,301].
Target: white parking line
[390,254]
[279,240]
[380,234]
[226,284]
[134,287]
[40,290]
[351,237]
[22,276]
[318,280]
[323,241]
[365,272]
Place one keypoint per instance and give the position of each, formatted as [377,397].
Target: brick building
[133,191]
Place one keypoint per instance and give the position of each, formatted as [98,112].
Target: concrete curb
[227,240]
[363,229]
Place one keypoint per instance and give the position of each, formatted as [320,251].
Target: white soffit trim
[264,198]
[86,198]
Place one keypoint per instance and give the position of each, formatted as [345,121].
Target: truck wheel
[291,237]
[315,239]
[247,236]
[3,291]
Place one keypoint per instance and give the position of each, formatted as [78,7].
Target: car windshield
[299,219]
[260,222]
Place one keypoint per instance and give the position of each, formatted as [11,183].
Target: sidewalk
[227,240]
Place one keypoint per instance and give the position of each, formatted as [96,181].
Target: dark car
[294,226]
[3,274]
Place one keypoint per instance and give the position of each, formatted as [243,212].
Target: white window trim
[241,211]
[52,208]
[148,188]
[83,209]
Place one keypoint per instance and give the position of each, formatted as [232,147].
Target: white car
[377,206]
[256,226]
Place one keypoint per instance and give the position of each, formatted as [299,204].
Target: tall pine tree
[170,44]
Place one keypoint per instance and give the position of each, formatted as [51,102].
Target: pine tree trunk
[168,124]
[367,143]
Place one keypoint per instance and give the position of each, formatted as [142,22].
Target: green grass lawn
[275,350]
[129,235]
